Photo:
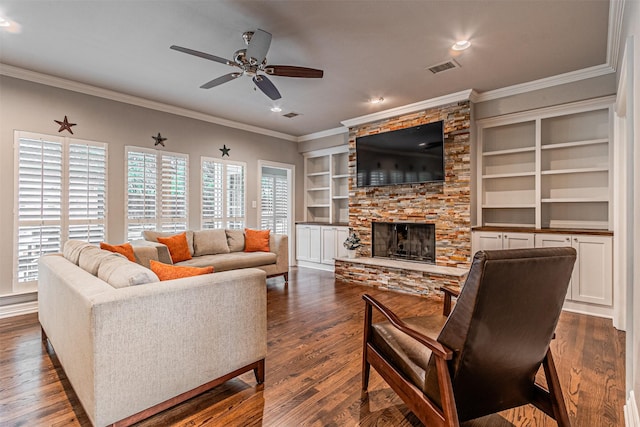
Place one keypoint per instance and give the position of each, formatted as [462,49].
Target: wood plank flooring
[313,370]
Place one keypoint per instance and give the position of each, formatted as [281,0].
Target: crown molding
[33,76]
[547,82]
[464,95]
[614,36]
[323,134]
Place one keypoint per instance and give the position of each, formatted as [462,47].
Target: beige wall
[324,142]
[33,107]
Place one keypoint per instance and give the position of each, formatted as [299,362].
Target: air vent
[290,115]
[444,66]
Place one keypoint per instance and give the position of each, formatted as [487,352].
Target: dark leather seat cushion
[403,352]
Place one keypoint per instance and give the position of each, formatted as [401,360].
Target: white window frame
[225,220]
[159,221]
[65,221]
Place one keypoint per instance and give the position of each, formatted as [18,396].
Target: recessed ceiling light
[376,100]
[4,22]
[461,45]
[276,109]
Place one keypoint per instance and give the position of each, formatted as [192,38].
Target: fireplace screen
[407,241]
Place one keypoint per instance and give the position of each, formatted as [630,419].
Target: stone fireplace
[404,241]
[447,205]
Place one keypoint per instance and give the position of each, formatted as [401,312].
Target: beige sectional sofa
[224,250]
[132,346]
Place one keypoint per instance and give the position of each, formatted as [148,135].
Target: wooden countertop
[545,230]
[335,224]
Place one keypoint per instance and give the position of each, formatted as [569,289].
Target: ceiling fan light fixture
[378,100]
[461,45]
[276,109]
[4,22]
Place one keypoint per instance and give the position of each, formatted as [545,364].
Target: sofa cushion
[125,249]
[119,272]
[170,272]
[235,240]
[72,248]
[152,236]
[256,240]
[92,256]
[232,261]
[178,247]
[210,242]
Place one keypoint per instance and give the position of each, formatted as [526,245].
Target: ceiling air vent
[290,115]
[444,66]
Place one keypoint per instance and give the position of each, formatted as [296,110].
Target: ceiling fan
[252,62]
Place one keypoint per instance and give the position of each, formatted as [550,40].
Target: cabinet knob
[575,239]
[568,239]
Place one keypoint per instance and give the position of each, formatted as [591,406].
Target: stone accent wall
[447,204]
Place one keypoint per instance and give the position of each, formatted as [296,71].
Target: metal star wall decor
[225,150]
[159,140]
[65,125]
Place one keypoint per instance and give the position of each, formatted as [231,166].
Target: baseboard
[631,417]
[18,309]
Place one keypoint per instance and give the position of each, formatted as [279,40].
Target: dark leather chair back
[501,327]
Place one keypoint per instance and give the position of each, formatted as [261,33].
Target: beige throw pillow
[72,248]
[210,242]
[235,240]
[119,272]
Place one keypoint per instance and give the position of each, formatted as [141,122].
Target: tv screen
[403,156]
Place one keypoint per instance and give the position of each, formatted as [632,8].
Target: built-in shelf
[547,168]
[509,224]
[327,185]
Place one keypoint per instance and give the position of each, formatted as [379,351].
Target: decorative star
[159,140]
[65,125]
[225,150]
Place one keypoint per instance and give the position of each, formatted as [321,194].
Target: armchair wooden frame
[549,401]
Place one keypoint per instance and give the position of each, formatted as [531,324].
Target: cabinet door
[341,235]
[303,240]
[328,245]
[556,241]
[592,276]
[315,244]
[486,240]
[517,240]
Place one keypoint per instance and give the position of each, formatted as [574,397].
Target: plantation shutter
[223,194]
[87,192]
[274,201]
[157,191]
[61,194]
[174,192]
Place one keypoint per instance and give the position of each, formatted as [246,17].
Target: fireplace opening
[406,241]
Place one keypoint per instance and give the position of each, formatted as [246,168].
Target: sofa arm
[146,251]
[279,244]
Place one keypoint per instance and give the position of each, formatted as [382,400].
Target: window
[61,194]
[274,200]
[223,194]
[157,191]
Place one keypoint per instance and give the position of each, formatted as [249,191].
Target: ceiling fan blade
[258,47]
[291,71]
[220,80]
[265,85]
[202,55]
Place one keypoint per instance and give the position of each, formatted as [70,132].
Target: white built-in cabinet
[490,240]
[317,246]
[548,168]
[327,185]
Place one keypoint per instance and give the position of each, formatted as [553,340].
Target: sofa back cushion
[92,256]
[72,248]
[119,272]
[152,236]
[210,242]
[235,240]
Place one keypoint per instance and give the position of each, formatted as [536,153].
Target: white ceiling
[367,48]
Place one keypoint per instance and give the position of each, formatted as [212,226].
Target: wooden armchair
[485,358]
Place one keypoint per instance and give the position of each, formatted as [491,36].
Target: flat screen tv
[404,156]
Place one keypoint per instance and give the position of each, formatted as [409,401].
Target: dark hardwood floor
[313,369]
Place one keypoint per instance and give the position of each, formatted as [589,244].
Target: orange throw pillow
[125,249]
[170,272]
[178,247]
[256,240]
